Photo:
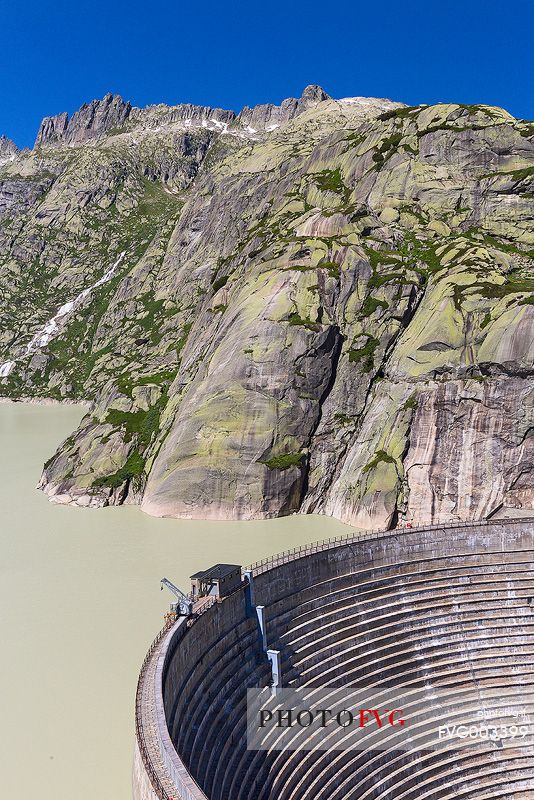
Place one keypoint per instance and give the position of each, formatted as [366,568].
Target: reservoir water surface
[80,603]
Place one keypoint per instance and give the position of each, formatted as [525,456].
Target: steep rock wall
[329,312]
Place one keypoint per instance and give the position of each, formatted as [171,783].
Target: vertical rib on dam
[444,606]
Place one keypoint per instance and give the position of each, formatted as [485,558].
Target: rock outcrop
[323,306]
[8,150]
[92,121]
[267,117]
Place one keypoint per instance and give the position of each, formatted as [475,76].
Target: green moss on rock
[364,355]
[132,468]
[380,457]
[284,461]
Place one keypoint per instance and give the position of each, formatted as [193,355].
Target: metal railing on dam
[140,735]
[154,752]
[168,776]
[264,565]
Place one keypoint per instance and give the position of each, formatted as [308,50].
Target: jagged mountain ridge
[8,150]
[323,306]
[112,115]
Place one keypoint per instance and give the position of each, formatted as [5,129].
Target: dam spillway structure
[442,606]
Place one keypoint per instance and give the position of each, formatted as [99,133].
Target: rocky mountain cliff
[324,306]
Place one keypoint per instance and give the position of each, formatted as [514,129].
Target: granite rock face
[267,117]
[92,121]
[8,150]
[324,306]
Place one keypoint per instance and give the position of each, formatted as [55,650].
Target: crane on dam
[184,606]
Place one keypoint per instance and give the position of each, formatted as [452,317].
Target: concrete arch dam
[444,607]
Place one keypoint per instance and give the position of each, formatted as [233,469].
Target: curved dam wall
[444,604]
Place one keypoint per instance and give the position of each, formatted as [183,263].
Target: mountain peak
[91,121]
[314,94]
[267,116]
[8,150]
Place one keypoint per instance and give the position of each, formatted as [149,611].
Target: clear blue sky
[57,55]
